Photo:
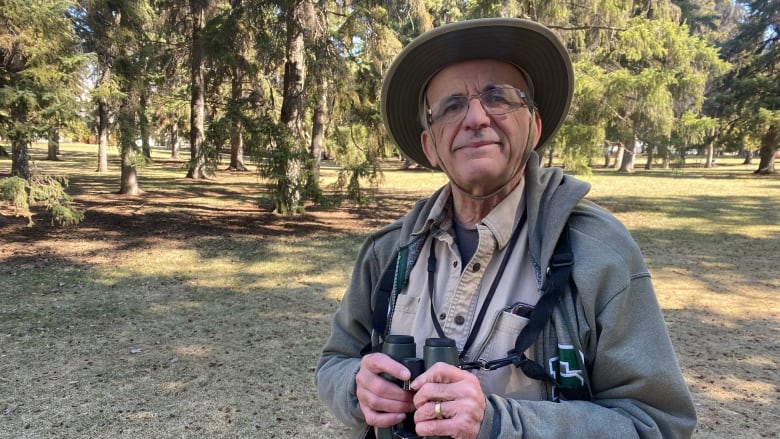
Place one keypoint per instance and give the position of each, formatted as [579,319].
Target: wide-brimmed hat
[530,46]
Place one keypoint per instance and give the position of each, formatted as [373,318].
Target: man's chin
[484,181]
[480,185]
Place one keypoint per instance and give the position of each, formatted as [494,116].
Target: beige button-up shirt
[460,294]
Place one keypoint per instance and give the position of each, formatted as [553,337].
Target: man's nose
[476,116]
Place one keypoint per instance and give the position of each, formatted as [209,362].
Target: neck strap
[488,298]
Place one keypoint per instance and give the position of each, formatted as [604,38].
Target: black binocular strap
[385,292]
[382,305]
[558,275]
[558,272]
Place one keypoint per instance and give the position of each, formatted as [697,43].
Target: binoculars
[402,348]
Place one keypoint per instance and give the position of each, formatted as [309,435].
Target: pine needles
[47,191]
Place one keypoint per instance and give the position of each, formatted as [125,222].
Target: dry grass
[712,241]
[191,311]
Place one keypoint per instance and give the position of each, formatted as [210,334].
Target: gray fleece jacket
[613,319]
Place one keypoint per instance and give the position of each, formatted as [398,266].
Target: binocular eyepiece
[403,349]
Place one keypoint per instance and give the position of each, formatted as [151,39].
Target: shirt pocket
[405,312]
[508,381]
[503,336]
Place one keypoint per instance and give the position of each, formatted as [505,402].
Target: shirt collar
[500,221]
[440,214]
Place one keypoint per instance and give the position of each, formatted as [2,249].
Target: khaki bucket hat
[530,46]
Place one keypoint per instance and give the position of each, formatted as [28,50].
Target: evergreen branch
[577,28]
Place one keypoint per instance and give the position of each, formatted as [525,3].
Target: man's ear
[538,122]
[428,145]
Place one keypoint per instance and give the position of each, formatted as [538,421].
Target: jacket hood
[552,197]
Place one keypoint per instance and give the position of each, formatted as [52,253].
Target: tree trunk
[128,132]
[237,131]
[318,126]
[54,144]
[289,200]
[748,157]
[627,162]
[667,159]
[766,165]
[175,152]
[294,68]
[20,159]
[102,135]
[550,156]
[143,123]
[618,155]
[769,143]
[197,165]
[709,154]
[321,111]
[650,157]
[20,147]
[129,179]
[237,147]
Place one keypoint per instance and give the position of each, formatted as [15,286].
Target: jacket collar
[550,197]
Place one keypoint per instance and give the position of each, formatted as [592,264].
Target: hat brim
[532,47]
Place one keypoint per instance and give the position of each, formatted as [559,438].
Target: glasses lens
[502,100]
[495,101]
[449,109]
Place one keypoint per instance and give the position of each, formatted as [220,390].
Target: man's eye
[495,98]
[452,106]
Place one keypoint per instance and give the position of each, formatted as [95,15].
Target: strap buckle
[512,358]
[472,365]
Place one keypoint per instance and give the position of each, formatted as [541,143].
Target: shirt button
[455,264]
[476,267]
[459,320]
[442,316]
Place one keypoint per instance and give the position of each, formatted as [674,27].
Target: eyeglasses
[495,101]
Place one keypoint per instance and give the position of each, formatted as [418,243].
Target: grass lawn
[191,310]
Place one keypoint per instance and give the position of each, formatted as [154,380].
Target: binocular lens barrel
[440,350]
[403,349]
[400,346]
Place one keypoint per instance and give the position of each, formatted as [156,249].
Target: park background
[173,251]
[193,310]
[291,83]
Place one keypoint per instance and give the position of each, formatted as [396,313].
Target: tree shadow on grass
[734,210]
[143,353]
[731,368]
[718,245]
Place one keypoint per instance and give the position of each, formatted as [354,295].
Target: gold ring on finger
[437,410]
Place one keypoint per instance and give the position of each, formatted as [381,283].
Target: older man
[546,296]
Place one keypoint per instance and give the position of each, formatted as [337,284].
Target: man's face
[480,151]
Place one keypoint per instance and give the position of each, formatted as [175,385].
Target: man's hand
[382,402]
[462,402]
